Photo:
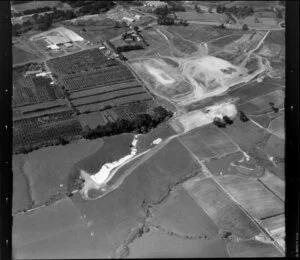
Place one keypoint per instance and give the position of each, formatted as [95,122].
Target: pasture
[158,244]
[45,222]
[34,5]
[277,127]
[276,185]
[21,197]
[234,164]
[114,216]
[48,168]
[252,248]
[222,210]
[22,54]
[199,33]
[207,142]
[53,232]
[145,141]
[205,17]
[181,214]
[252,196]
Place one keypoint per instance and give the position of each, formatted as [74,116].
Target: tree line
[142,123]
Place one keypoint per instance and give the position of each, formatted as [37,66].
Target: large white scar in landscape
[102,176]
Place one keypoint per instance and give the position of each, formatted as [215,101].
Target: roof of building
[53,47]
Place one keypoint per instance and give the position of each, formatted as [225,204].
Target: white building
[53,47]
[128,20]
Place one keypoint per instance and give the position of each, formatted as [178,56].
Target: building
[128,20]
[52,47]
[137,17]
[68,44]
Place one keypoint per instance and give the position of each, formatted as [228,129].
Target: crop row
[96,91]
[114,102]
[40,135]
[26,96]
[100,78]
[108,96]
[34,122]
[80,61]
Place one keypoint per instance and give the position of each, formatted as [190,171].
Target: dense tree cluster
[171,20]
[37,10]
[31,147]
[165,19]
[240,12]
[125,48]
[141,124]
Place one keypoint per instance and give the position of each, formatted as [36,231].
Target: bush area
[141,124]
[125,48]
[165,19]
[240,12]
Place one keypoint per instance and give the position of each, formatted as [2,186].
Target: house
[137,17]
[68,44]
[52,47]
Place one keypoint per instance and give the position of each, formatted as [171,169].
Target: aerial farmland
[148,129]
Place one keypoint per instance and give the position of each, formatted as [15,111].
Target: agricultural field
[199,34]
[206,17]
[276,227]
[34,5]
[31,89]
[92,120]
[114,216]
[113,148]
[45,130]
[277,127]
[253,196]
[252,248]
[160,133]
[22,54]
[59,224]
[222,210]
[46,170]
[99,78]
[208,142]
[181,214]
[276,185]
[21,199]
[234,164]
[86,60]
[157,244]
[186,188]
